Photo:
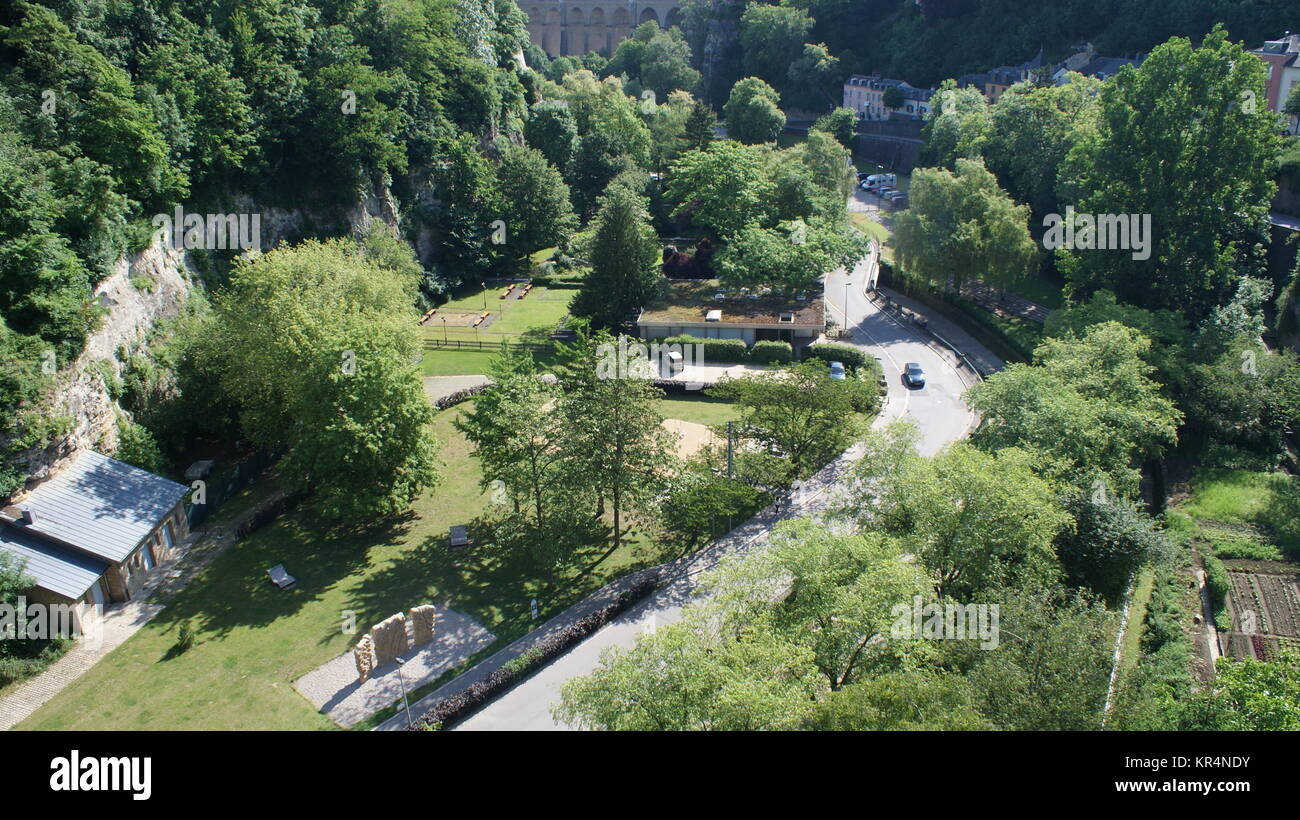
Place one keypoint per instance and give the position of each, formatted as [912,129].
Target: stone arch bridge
[561,27]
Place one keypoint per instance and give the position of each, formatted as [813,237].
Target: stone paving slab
[333,687]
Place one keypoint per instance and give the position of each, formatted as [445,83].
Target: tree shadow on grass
[235,591]
[490,584]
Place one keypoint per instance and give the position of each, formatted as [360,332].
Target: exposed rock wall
[144,288]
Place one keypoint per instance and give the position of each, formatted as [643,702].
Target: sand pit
[691,437]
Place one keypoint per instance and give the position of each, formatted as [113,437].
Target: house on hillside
[93,533]
[704,309]
[1282,56]
[1091,64]
[865,95]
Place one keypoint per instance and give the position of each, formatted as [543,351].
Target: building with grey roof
[93,532]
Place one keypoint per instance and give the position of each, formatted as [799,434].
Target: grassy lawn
[699,409]
[536,314]
[254,640]
[876,231]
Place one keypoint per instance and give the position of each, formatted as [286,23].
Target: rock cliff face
[144,289]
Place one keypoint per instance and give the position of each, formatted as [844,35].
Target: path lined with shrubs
[577,637]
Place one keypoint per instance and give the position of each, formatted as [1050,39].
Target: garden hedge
[829,352]
[715,350]
[766,352]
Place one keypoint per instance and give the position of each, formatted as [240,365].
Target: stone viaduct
[561,27]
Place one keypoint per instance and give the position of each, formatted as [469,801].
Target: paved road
[937,409]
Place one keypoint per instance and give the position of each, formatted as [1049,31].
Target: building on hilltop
[705,309]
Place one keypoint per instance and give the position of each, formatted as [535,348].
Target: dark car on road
[913,375]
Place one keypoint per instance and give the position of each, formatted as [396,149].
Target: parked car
[913,375]
[837,370]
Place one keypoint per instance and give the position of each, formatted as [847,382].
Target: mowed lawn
[254,640]
[699,409]
[538,313]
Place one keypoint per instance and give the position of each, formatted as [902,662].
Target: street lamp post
[847,284]
[402,681]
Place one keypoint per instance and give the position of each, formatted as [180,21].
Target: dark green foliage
[1110,540]
[770,352]
[714,350]
[852,357]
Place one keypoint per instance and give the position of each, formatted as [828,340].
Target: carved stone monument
[422,622]
[390,639]
[365,657]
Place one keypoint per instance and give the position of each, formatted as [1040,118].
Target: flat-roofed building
[704,309]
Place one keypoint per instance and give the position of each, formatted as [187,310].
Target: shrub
[768,352]
[460,396]
[715,350]
[852,357]
[185,637]
[458,706]
[1218,584]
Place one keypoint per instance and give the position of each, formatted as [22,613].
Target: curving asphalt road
[939,412]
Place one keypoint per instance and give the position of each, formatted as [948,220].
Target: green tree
[1110,539]
[976,520]
[772,38]
[535,202]
[840,123]
[1249,695]
[1051,669]
[1198,126]
[892,99]
[700,126]
[963,225]
[623,253]
[906,701]
[614,444]
[814,79]
[686,677]
[751,111]
[515,435]
[803,415]
[316,344]
[1087,407]
[552,130]
[722,188]
[959,126]
[843,592]
[1033,129]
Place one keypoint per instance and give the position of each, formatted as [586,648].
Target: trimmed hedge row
[734,350]
[830,352]
[715,350]
[771,351]
[459,706]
